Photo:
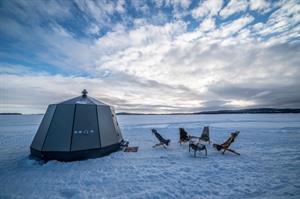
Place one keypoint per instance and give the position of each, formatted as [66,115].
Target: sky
[158,56]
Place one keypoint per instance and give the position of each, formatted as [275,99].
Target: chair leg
[159,145]
[232,151]
[225,149]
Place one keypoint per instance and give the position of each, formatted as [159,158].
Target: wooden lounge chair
[183,136]
[225,146]
[204,135]
[161,140]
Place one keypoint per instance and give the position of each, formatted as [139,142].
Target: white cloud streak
[234,7]
[207,9]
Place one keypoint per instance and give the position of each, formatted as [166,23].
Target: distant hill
[251,111]
[10,113]
[240,111]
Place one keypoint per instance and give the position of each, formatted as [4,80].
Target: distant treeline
[10,113]
[241,111]
[251,111]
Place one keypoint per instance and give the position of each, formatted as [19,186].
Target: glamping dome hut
[79,128]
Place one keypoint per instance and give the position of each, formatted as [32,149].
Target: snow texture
[268,167]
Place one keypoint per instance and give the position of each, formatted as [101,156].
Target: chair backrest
[205,134]
[183,134]
[231,139]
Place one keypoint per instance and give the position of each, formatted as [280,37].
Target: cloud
[261,6]
[207,9]
[144,59]
[234,7]
[283,21]
[229,29]
[96,10]
[15,69]
[135,92]
[207,24]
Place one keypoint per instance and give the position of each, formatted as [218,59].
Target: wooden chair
[183,137]
[161,140]
[204,135]
[225,146]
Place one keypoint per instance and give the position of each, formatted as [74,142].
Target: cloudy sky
[158,56]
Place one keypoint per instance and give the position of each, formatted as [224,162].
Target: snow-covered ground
[268,167]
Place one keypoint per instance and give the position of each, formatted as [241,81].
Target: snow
[268,167]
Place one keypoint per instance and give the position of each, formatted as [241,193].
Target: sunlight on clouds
[42,90]
[240,103]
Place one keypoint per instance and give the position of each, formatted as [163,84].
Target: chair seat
[197,147]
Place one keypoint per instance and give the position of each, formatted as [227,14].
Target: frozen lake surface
[268,167]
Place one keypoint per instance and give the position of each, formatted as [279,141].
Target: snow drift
[268,166]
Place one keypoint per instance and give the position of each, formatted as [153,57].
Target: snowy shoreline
[268,166]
